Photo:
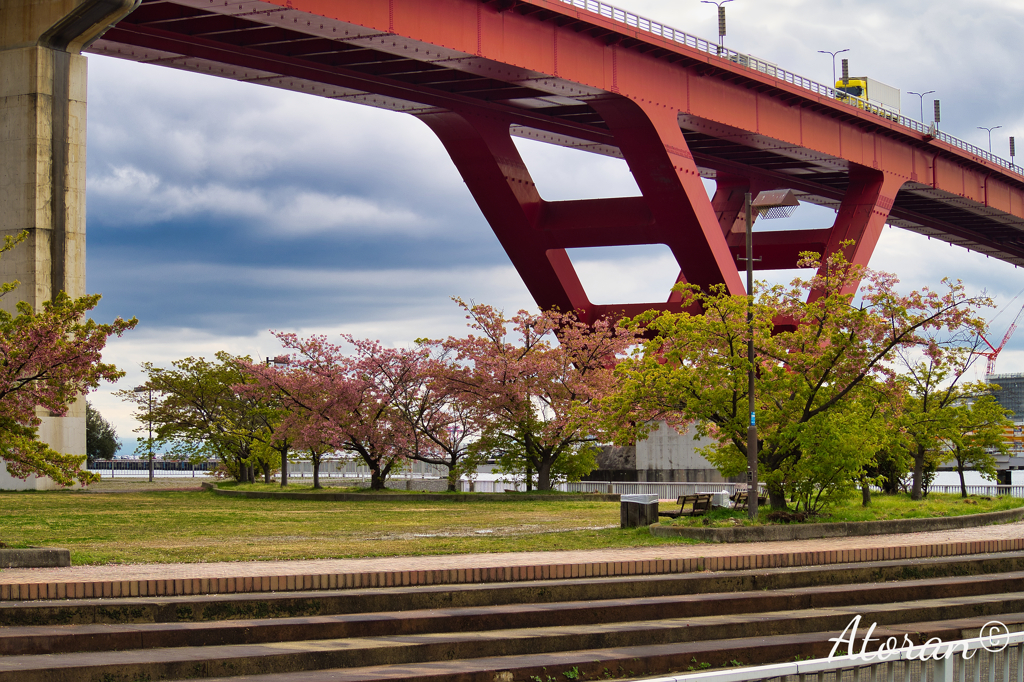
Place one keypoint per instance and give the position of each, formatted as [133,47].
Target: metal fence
[646,25]
[996,656]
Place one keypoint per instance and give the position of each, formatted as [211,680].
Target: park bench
[690,505]
[739,499]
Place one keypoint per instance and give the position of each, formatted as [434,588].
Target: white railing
[982,489]
[664,491]
[646,25]
[115,474]
[672,490]
[995,657]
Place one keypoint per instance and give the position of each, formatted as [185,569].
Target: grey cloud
[223,209]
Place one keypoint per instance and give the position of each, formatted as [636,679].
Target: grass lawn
[196,526]
[137,522]
[882,508]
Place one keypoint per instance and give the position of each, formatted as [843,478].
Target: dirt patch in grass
[143,485]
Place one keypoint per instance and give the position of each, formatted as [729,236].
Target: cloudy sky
[219,210]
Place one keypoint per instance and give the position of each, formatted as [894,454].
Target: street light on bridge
[837,52]
[721,21]
[921,95]
[989,130]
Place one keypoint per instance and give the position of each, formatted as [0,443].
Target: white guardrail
[654,28]
[995,656]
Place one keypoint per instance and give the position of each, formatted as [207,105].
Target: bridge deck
[581,73]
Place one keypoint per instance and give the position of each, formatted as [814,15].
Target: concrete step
[625,662]
[34,640]
[403,649]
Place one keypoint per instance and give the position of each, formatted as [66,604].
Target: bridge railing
[995,656]
[655,28]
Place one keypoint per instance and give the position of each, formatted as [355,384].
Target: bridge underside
[475,73]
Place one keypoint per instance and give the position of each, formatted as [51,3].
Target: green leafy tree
[100,436]
[933,376]
[977,433]
[197,413]
[819,356]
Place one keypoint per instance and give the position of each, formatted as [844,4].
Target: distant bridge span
[584,74]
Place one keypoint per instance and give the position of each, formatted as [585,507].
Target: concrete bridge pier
[42,163]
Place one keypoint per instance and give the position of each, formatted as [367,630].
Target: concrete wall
[666,448]
[667,455]
[42,165]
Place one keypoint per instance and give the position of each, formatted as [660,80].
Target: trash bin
[637,510]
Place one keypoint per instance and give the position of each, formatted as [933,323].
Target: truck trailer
[878,94]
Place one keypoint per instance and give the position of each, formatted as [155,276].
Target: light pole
[278,361]
[149,413]
[837,52]
[989,135]
[721,21]
[779,203]
[921,95]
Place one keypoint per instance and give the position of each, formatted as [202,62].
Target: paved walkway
[178,579]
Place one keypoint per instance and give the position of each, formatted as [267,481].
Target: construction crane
[994,353]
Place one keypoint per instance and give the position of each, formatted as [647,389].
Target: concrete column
[42,162]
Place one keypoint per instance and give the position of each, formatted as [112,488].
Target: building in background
[666,456]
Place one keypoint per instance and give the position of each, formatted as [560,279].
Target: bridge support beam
[862,215]
[42,167]
[674,209]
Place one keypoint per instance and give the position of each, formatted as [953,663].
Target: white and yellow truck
[870,94]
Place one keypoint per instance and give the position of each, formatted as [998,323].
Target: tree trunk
[284,463]
[776,497]
[376,480]
[963,486]
[316,473]
[529,478]
[453,480]
[544,475]
[266,472]
[865,493]
[916,491]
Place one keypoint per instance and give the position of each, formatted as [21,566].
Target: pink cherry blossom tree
[445,429]
[48,359]
[343,400]
[529,378]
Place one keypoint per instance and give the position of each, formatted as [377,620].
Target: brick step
[204,608]
[35,640]
[369,651]
[120,583]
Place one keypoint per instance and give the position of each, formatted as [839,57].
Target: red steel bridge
[584,74]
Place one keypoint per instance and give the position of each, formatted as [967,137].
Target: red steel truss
[478,72]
